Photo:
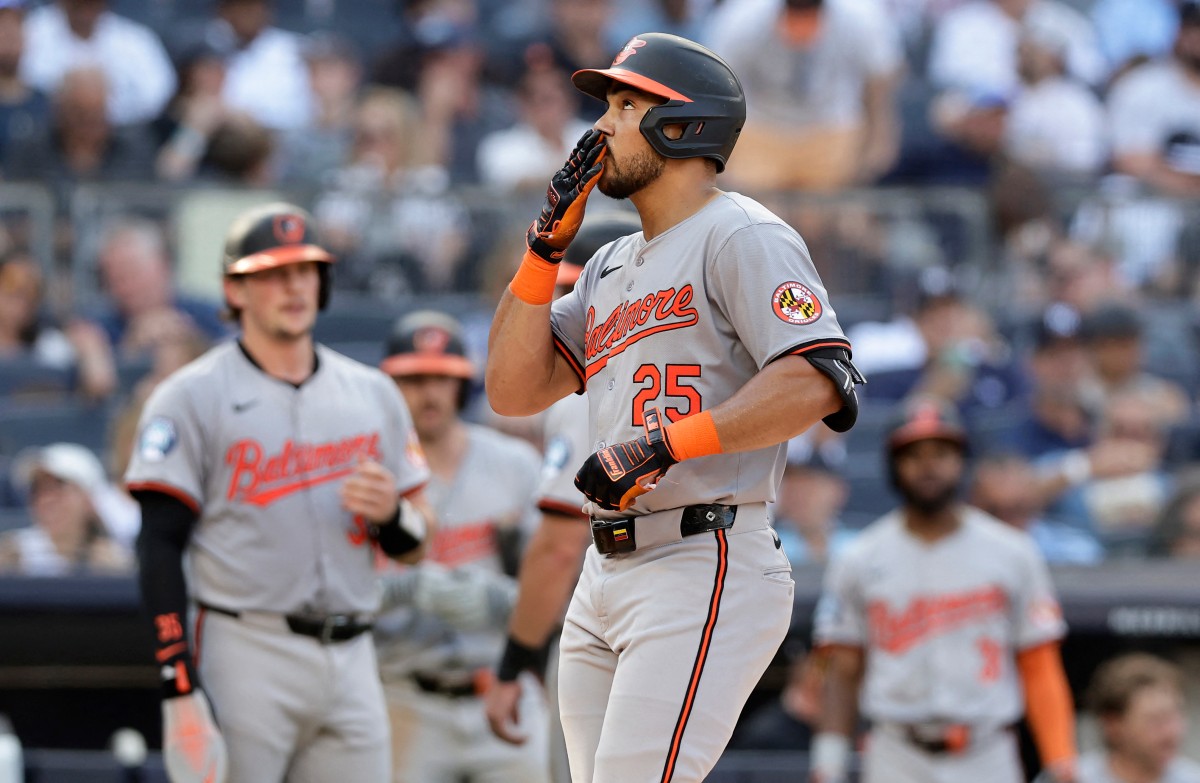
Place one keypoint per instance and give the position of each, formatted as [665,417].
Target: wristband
[695,436]
[535,280]
[518,658]
[830,755]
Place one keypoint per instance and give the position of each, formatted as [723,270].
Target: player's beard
[622,180]
[928,502]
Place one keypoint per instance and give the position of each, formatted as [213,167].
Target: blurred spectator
[1113,335]
[309,156]
[458,107]
[70,35]
[1177,530]
[184,130]
[820,78]
[82,145]
[266,76]
[1154,111]
[426,25]
[390,216]
[1062,389]
[27,330]
[974,47]
[69,498]
[1055,123]
[789,721]
[1083,275]
[1131,32]
[1117,487]
[144,309]
[240,153]
[680,17]
[24,111]
[963,359]
[1139,702]
[811,498]
[1005,486]
[528,153]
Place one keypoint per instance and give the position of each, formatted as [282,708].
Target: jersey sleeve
[568,324]
[528,471]
[1037,616]
[839,617]
[406,460]
[169,454]
[765,284]
[567,447]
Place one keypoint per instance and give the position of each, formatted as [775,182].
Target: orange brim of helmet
[278,256]
[447,364]
[595,82]
[926,430]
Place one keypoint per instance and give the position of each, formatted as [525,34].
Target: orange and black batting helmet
[429,342]
[271,235]
[924,418]
[700,92]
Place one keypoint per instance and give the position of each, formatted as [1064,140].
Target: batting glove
[566,198]
[615,476]
[193,750]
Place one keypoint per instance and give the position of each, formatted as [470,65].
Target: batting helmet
[596,232]
[427,342]
[272,235]
[925,418]
[701,91]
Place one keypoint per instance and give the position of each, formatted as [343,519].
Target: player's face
[1152,728]
[280,303]
[928,474]
[433,401]
[631,163]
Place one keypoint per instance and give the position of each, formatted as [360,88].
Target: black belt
[324,628]
[613,536]
[436,686]
[950,738]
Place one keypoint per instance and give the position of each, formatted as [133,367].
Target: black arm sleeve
[835,364]
[393,538]
[166,528]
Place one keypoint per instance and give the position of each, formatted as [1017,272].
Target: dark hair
[1168,525]
[1118,680]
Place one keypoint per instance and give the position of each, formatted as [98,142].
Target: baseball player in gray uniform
[276,468]
[942,622]
[437,649]
[704,343]
[552,559]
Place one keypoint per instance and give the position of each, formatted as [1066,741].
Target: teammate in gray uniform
[942,623]
[276,468]
[704,343]
[551,562]
[437,649]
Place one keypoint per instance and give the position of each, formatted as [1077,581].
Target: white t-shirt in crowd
[974,47]
[512,156]
[818,85]
[1057,124]
[1150,105]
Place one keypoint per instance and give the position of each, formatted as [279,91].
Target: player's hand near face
[370,492]
[566,198]
[502,706]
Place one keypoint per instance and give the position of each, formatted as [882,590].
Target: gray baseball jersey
[940,622]
[437,737]
[493,489]
[567,446]
[662,646]
[261,461]
[683,322]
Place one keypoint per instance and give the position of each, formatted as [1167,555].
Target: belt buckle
[331,624]
[614,536]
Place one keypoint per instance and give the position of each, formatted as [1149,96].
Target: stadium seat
[20,377]
[37,424]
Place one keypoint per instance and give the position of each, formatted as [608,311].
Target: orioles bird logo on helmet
[630,50]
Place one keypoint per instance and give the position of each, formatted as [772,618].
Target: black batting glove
[615,476]
[566,199]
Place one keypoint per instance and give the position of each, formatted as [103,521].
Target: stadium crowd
[1001,196]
